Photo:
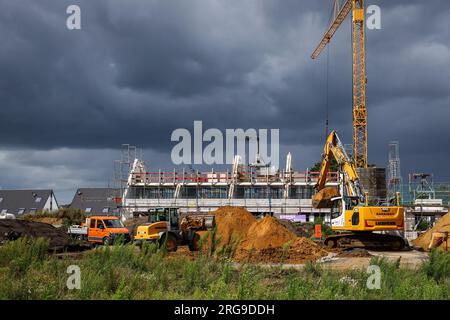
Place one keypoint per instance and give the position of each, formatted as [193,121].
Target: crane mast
[359,71]
[359,86]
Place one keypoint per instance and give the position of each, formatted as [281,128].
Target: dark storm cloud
[140,69]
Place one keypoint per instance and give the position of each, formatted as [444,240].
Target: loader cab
[170,215]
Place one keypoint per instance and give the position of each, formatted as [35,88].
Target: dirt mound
[298,251]
[443,225]
[233,223]
[355,253]
[266,233]
[266,240]
[13,229]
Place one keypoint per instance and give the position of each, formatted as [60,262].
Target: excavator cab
[336,207]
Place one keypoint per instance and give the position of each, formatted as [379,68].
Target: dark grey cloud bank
[140,69]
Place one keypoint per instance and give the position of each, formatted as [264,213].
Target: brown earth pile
[355,253]
[443,225]
[266,240]
[14,229]
[232,222]
[266,233]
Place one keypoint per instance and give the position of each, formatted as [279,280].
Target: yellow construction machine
[168,228]
[356,221]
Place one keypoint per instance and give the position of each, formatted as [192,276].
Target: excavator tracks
[366,240]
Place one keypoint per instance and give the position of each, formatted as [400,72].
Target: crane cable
[327,95]
[327,84]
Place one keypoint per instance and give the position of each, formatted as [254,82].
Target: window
[113,223]
[21,211]
[33,210]
[336,209]
[88,210]
[1,199]
[38,199]
[105,210]
[100,224]
[92,225]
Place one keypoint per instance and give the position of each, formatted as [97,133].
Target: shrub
[23,253]
[438,265]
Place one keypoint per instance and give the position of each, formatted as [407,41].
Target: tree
[334,167]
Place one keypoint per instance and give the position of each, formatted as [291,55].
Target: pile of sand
[266,233]
[14,229]
[232,223]
[443,225]
[266,240]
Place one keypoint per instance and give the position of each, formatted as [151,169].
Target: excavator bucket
[322,199]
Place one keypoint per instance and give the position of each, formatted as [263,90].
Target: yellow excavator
[357,223]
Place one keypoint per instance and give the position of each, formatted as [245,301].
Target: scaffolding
[394,171]
[123,167]
[421,186]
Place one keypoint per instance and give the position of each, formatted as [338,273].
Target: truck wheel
[194,243]
[170,242]
[106,241]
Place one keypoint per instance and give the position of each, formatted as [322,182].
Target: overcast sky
[139,69]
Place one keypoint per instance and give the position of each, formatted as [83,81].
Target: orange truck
[100,229]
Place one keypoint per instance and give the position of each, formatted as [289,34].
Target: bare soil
[266,240]
[13,229]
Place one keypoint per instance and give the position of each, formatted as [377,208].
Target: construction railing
[226,177]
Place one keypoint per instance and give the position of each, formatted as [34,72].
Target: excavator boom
[347,173]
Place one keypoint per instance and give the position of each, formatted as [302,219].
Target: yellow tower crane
[359,72]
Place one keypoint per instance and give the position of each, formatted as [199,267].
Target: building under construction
[260,189]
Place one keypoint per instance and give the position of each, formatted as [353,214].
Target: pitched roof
[14,201]
[93,201]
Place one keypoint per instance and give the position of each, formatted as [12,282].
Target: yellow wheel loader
[167,227]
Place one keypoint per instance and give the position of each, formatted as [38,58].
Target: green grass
[125,272]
